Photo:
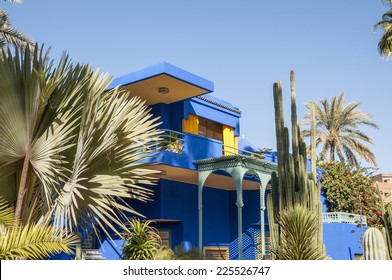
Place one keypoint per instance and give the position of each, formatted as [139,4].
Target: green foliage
[374,245]
[31,242]
[350,189]
[297,227]
[164,253]
[141,242]
[385,43]
[171,142]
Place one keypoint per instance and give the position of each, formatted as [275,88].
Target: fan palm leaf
[338,130]
[75,152]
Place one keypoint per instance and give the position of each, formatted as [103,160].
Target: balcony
[182,149]
[175,154]
[345,218]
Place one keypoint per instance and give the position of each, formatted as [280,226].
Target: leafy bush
[350,189]
[142,242]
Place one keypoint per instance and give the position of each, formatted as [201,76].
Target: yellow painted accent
[229,141]
[191,125]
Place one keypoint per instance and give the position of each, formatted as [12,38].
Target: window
[216,253]
[165,235]
[210,129]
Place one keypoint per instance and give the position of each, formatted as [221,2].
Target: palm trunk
[332,152]
[22,187]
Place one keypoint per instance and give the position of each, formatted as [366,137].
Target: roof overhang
[190,176]
[175,83]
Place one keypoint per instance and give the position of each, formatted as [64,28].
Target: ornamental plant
[141,242]
[350,189]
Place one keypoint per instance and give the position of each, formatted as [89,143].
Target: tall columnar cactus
[374,245]
[293,186]
[387,216]
[387,224]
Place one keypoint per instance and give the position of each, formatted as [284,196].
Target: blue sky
[242,46]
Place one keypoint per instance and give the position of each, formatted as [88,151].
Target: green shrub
[142,242]
[350,189]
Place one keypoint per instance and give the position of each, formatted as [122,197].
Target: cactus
[293,186]
[387,217]
[374,245]
[386,212]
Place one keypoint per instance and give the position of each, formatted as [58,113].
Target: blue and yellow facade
[197,127]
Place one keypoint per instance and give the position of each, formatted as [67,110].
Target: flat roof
[179,84]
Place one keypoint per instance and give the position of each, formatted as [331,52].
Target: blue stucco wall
[178,201]
[342,241]
[170,115]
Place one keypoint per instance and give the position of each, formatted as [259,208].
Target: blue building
[212,184]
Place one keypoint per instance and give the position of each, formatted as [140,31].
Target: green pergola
[237,166]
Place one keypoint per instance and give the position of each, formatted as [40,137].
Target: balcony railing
[343,217]
[173,141]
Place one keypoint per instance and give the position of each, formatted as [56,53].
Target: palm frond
[7,218]
[30,241]
[34,242]
[115,135]
[12,1]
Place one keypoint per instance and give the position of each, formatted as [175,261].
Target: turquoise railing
[343,217]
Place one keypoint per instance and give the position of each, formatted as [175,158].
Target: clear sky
[243,46]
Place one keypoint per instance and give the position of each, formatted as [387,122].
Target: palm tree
[385,43]
[337,129]
[70,150]
[30,241]
[10,35]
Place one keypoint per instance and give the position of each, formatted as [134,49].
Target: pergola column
[201,180]
[263,183]
[238,175]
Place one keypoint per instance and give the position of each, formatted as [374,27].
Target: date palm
[9,35]
[70,151]
[385,43]
[338,130]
